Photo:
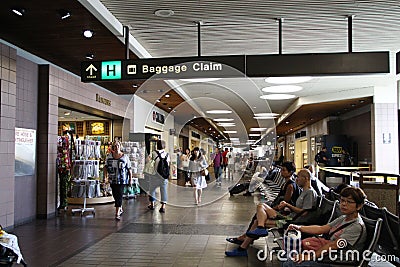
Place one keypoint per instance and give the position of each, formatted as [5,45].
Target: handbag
[203,172]
[292,243]
[313,243]
[149,167]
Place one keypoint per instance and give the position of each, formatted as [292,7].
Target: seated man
[257,179]
[349,229]
[269,217]
[289,192]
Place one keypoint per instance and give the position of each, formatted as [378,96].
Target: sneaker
[234,240]
[258,232]
[236,253]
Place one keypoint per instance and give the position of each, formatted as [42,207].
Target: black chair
[373,228]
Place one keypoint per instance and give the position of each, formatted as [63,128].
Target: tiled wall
[26,117]
[7,133]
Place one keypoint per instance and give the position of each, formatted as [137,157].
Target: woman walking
[198,164]
[117,170]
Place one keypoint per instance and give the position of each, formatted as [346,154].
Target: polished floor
[183,236]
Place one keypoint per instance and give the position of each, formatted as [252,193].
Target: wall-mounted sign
[195,135]
[25,151]
[158,117]
[103,100]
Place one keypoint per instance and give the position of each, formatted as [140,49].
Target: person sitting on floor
[349,229]
[269,217]
[289,192]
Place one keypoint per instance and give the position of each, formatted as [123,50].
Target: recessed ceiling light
[223,119]
[88,33]
[254,134]
[67,113]
[264,118]
[135,85]
[282,89]
[219,111]
[18,11]
[288,80]
[277,96]
[287,122]
[230,132]
[169,108]
[158,100]
[257,129]
[167,95]
[164,13]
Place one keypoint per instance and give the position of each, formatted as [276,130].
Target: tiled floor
[190,236]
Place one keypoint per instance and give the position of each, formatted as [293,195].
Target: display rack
[86,188]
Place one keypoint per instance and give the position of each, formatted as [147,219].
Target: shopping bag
[292,243]
[149,167]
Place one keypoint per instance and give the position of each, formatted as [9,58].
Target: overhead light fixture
[67,113]
[264,118]
[169,108]
[230,132]
[135,85]
[282,89]
[89,56]
[167,95]
[158,100]
[226,124]
[218,111]
[268,114]
[277,97]
[164,13]
[18,11]
[257,129]
[64,13]
[88,33]
[254,134]
[288,80]
[223,119]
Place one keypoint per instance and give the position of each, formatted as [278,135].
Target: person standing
[217,161]
[185,164]
[117,170]
[231,163]
[160,155]
[198,164]
[225,161]
[322,158]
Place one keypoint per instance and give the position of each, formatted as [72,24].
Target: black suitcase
[238,188]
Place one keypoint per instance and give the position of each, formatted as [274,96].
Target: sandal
[234,240]
[117,217]
[150,207]
[162,210]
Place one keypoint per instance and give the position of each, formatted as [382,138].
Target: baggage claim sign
[163,68]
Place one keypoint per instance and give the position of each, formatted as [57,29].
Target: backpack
[163,166]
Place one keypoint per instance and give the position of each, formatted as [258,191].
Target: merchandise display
[136,154]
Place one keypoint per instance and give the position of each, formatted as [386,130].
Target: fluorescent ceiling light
[230,132]
[277,96]
[264,118]
[18,11]
[282,89]
[200,80]
[254,134]
[226,124]
[223,119]
[234,138]
[269,114]
[257,129]
[288,80]
[218,111]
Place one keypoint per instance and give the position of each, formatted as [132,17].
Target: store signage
[195,135]
[164,68]
[103,100]
[158,117]
[25,151]
[237,66]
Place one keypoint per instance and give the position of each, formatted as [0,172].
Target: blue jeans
[155,182]
[217,173]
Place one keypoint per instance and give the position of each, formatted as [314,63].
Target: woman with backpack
[197,167]
[160,179]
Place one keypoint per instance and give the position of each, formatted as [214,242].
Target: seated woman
[348,227]
[288,193]
[269,217]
